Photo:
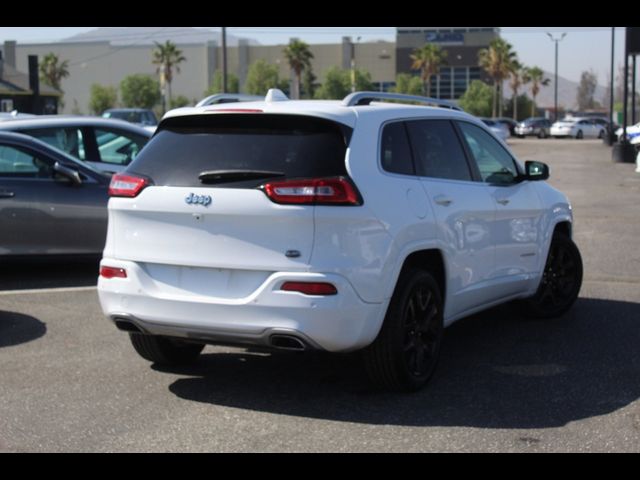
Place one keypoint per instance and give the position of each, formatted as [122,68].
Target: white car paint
[577,127]
[214,272]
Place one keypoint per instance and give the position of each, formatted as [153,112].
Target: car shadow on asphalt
[497,370]
[16,328]
[26,274]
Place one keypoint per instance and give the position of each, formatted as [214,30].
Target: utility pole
[353,65]
[224,59]
[555,82]
[611,96]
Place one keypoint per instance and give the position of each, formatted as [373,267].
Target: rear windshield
[292,145]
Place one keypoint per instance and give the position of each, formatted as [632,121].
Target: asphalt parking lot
[70,382]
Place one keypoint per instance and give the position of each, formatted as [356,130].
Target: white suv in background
[330,225]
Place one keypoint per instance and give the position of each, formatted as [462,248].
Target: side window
[494,162]
[395,151]
[437,150]
[20,163]
[118,147]
[67,139]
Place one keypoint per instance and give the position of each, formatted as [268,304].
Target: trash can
[623,152]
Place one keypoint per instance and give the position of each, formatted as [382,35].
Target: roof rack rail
[365,98]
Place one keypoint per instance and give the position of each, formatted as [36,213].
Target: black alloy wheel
[561,280]
[405,354]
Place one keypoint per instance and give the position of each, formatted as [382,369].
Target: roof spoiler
[365,98]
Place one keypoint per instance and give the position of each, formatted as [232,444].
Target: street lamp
[555,82]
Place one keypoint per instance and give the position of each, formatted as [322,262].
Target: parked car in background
[5,116]
[509,122]
[579,127]
[535,127]
[138,116]
[499,129]
[50,202]
[107,144]
[219,98]
[633,131]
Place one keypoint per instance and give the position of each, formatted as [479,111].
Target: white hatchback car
[330,225]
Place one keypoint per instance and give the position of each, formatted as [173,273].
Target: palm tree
[299,57]
[535,75]
[52,71]
[496,61]
[167,57]
[428,60]
[517,80]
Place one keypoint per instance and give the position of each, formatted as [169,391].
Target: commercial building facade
[106,62]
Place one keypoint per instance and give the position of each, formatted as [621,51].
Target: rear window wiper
[221,176]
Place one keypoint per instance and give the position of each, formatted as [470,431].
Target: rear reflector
[126,185]
[112,272]
[316,191]
[310,288]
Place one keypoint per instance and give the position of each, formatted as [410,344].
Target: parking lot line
[48,290]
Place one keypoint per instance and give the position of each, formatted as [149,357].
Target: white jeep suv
[332,225]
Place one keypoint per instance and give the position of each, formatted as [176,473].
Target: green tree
[428,59]
[102,98]
[299,56]
[52,71]
[180,101]
[478,99]
[309,83]
[233,84]
[408,84]
[497,61]
[335,86]
[586,90]
[337,83]
[168,58]
[521,105]
[140,91]
[517,79]
[535,76]
[261,77]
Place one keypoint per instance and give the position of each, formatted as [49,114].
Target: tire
[164,350]
[405,354]
[579,135]
[561,281]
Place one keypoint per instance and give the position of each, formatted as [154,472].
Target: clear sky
[582,49]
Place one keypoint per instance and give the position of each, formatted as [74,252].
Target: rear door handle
[6,194]
[442,200]
[503,201]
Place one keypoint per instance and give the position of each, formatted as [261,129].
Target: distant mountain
[567,93]
[124,36]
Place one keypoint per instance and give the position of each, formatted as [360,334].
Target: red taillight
[112,272]
[123,185]
[316,191]
[310,288]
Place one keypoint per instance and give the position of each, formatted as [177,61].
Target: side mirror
[536,171]
[68,173]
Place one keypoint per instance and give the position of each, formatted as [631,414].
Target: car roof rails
[365,98]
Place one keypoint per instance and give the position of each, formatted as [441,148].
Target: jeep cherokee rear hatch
[231,191]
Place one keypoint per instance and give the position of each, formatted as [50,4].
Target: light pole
[353,65]
[555,81]
[224,59]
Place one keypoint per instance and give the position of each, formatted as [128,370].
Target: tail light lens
[316,191]
[123,185]
[310,288]
[112,272]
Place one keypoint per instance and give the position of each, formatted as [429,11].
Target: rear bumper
[336,323]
